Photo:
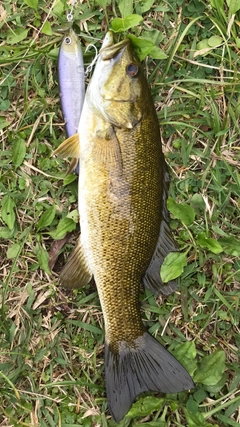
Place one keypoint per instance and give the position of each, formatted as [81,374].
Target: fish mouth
[109,49]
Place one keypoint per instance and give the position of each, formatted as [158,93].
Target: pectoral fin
[76,273]
[69,148]
[107,149]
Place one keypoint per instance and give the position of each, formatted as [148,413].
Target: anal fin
[76,273]
[69,148]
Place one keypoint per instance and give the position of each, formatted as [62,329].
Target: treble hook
[90,66]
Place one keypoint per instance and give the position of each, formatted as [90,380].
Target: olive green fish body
[120,210]
[124,223]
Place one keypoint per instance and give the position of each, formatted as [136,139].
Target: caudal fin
[147,366]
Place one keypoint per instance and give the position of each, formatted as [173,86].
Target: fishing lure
[71,80]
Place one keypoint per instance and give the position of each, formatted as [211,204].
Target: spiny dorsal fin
[76,273]
[165,245]
[69,148]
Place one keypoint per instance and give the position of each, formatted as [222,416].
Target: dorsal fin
[165,245]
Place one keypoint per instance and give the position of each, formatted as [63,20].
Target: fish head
[116,88]
[70,43]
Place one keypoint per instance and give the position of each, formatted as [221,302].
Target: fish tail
[146,366]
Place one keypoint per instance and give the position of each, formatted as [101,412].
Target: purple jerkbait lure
[71,81]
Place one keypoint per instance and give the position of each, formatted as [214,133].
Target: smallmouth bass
[125,235]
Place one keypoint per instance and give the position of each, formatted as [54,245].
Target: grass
[51,341]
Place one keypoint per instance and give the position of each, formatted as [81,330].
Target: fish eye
[67,40]
[132,70]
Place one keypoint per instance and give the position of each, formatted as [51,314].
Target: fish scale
[125,234]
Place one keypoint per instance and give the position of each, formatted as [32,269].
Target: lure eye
[67,40]
[132,70]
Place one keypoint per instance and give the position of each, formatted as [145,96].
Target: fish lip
[109,52]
